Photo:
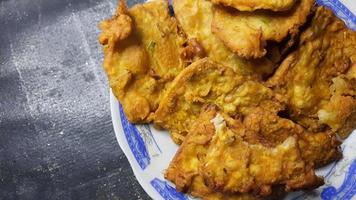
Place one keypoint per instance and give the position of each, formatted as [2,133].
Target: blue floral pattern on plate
[166,191]
[341,11]
[346,191]
[135,141]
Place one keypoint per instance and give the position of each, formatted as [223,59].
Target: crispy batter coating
[207,82]
[246,33]
[234,165]
[229,155]
[319,148]
[144,50]
[319,78]
[195,18]
[183,171]
[251,5]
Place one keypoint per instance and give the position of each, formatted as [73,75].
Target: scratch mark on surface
[78,24]
[39,17]
[14,60]
[22,84]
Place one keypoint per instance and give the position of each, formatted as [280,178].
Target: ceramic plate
[150,151]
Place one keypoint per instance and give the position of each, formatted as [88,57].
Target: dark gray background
[56,135]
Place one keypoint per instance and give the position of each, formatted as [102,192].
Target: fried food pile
[256,93]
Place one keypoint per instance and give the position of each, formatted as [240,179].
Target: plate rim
[129,156]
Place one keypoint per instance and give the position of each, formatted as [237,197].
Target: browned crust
[246,34]
[252,5]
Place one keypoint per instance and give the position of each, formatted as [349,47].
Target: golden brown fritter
[207,82]
[144,50]
[195,18]
[246,33]
[251,5]
[232,164]
[251,154]
[183,171]
[319,78]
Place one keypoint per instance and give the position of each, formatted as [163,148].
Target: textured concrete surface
[56,135]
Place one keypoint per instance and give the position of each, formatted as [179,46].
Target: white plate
[150,151]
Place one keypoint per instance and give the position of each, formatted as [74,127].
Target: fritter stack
[255,92]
